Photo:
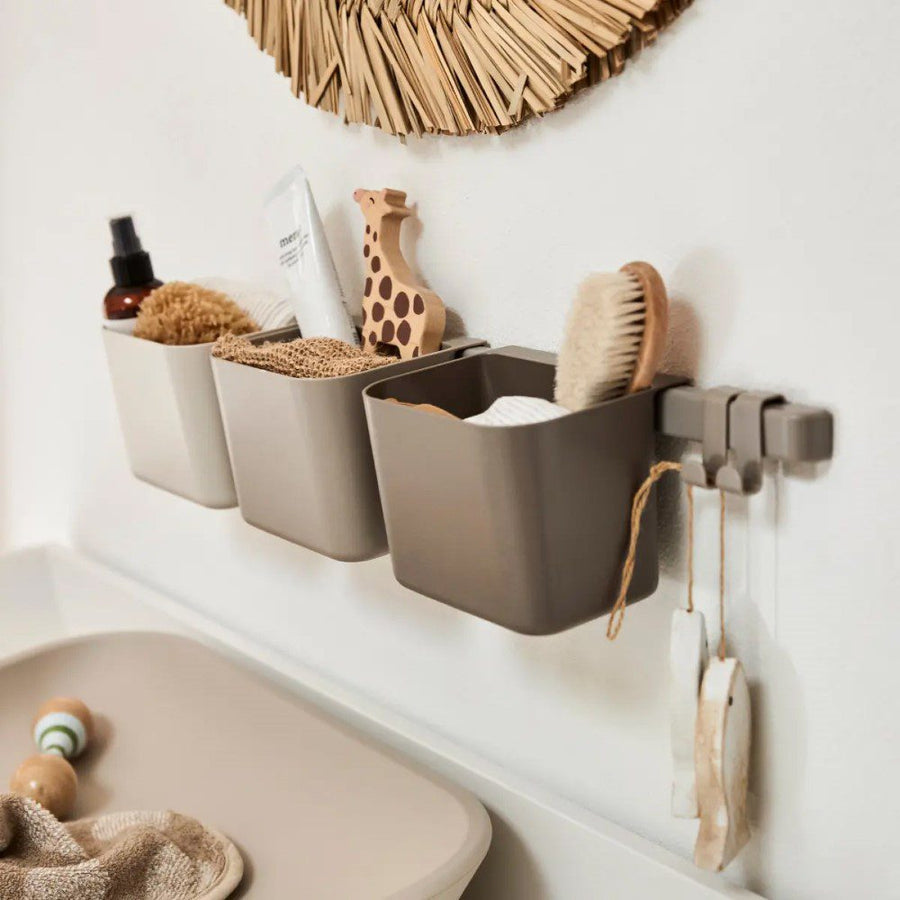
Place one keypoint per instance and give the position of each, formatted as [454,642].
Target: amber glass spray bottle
[133,274]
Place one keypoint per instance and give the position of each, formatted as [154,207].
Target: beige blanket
[123,856]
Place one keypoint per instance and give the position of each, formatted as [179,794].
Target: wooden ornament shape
[425,407]
[47,779]
[722,759]
[688,658]
[397,311]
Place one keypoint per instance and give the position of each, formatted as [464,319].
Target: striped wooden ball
[63,726]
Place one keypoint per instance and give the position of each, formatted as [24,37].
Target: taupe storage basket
[169,414]
[301,456]
[526,526]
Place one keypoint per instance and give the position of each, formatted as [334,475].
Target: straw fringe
[450,66]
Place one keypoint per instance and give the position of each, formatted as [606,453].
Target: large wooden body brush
[615,336]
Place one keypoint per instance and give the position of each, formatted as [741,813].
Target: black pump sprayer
[133,274]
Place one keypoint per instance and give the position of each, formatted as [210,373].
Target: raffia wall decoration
[450,66]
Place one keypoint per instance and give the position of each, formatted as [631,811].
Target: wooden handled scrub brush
[615,336]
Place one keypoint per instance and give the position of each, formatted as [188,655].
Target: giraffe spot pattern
[372,338]
[375,236]
[364,316]
[415,352]
[377,312]
[386,287]
[418,305]
[387,332]
[368,288]
[368,228]
[367,250]
[401,305]
[404,332]
[376,264]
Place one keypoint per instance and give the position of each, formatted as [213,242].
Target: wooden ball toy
[62,729]
[48,779]
[63,726]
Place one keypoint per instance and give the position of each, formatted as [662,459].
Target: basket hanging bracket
[716,427]
[739,430]
[743,473]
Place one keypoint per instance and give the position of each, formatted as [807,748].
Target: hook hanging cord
[638,505]
[722,575]
[690,548]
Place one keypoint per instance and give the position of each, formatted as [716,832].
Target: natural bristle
[603,338]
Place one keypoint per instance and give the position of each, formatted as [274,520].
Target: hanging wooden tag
[688,657]
[722,760]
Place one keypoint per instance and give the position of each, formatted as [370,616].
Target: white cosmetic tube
[305,258]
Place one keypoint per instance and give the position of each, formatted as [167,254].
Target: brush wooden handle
[656,324]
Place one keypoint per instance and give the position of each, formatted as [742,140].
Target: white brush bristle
[603,338]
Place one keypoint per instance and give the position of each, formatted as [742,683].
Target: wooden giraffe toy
[397,312]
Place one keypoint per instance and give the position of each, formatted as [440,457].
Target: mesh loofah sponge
[319,357]
[184,313]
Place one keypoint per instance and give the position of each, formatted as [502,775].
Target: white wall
[749,155]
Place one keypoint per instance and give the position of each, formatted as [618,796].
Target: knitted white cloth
[505,411]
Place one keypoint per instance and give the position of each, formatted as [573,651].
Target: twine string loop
[722,575]
[638,505]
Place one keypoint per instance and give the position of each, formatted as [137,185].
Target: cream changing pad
[131,855]
[315,807]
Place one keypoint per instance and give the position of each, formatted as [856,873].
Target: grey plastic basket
[526,526]
[169,414]
[301,456]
